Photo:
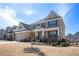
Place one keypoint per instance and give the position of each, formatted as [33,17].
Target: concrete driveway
[7,42]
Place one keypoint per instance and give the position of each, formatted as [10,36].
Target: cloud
[30,12]
[8,15]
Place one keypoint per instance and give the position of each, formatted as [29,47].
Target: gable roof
[14,27]
[39,21]
[52,14]
[26,26]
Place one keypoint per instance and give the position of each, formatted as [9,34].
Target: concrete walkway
[7,42]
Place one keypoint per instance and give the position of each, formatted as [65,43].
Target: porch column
[36,34]
[58,33]
[43,33]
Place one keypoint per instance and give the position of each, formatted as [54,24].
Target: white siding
[20,37]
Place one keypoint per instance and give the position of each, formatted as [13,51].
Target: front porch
[42,35]
[45,35]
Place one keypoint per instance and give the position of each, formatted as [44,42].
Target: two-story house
[73,37]
[50,27]
[2,34]
[10,33]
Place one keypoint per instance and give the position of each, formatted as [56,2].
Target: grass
[16,49]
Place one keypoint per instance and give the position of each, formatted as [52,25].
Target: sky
[13,13]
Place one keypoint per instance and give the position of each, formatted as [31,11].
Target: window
[52,34]
[39,34]
[38,24]
[34,26]
[43,25]
[9,31]
[52,23]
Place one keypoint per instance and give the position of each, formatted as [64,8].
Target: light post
[31,40]
[31,45]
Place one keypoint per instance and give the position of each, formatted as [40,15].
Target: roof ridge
[52,14]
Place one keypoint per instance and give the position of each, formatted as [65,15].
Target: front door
[39,37]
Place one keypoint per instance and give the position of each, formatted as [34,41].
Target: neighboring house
[74,37]
[51,27]
[2,34]
[10,33]
[22,31]
[14,28]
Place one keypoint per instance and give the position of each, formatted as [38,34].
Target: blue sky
[12,14]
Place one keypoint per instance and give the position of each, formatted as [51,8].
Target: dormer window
[34,26]
[43,25]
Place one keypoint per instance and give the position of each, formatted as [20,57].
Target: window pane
[52,23]
[43,25]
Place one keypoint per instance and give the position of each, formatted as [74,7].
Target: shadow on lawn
[34,50]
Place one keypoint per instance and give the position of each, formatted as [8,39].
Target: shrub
[64,42]
[33,40]
[53,43]
[76,43]
[26,40]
